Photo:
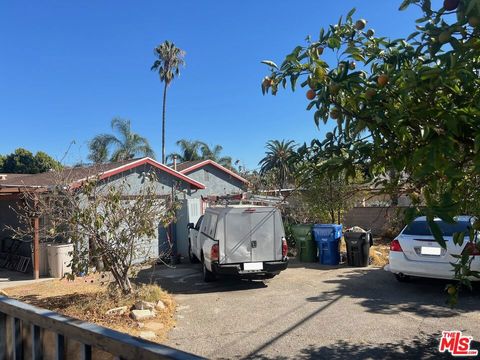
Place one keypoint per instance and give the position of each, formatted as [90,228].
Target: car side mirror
[190,225]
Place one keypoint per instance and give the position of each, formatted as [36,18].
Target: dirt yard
[88,299]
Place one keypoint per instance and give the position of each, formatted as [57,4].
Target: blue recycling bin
[327,237]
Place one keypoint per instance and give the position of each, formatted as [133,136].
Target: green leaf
[458,238]
[333,42]
[404,5]
[293,81]
[437,233]
[270,63]
[320,37]
[358,57]
[412,35]
[350,13]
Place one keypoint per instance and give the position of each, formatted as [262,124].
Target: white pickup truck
[248,241]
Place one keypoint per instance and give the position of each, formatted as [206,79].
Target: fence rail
[28,332]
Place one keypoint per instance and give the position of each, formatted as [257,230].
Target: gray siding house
[218,180]
[13,185]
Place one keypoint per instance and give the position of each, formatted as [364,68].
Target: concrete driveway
[314,312]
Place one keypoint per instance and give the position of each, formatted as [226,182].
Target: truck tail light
[395,246]
[284,247]
[214,253]
[471,249]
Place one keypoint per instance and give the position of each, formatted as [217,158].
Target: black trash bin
[358,247]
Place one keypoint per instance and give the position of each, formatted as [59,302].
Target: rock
[147,335]
[139,315]
[117,311]
[160,305]
[3,293]
[155,326]
[140,325]
[144,305]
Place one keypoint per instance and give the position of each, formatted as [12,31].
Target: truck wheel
[191,255]
[208,276]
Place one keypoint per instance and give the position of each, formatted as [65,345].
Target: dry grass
[379,252]
[89,299]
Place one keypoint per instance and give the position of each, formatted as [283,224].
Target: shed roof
[189,166]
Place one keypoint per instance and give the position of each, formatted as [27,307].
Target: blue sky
[68,67]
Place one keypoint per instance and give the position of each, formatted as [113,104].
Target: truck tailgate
[251,235]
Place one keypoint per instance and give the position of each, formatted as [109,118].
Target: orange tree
[408,107]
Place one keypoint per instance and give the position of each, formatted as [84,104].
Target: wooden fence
[28,332]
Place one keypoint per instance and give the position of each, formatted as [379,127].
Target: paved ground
[314,312]
[14,278]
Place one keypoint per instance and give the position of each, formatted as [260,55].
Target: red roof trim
[218,166]
[136,163]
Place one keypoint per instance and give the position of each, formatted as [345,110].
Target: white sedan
[414,252]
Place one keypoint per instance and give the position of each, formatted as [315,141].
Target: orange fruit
[450,5]
[311,94]
[451,290]
[360,24]
[474,21]
[382,80]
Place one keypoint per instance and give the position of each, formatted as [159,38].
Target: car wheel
[402,277]
[191,255]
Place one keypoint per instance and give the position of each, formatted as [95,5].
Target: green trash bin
[306,247]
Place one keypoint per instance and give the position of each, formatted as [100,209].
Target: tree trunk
[332,216]
[163,121]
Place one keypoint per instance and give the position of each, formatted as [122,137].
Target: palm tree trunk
[163,121]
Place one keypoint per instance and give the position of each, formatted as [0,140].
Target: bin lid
[331,227]
[303,228]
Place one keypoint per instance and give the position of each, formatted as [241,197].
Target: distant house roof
[75,175]
[189,166]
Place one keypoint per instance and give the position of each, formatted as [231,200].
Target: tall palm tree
[214,154]
[279,160]
[127,146]
[168,62]
[188,150]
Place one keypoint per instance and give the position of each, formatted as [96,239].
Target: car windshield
[422,228]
